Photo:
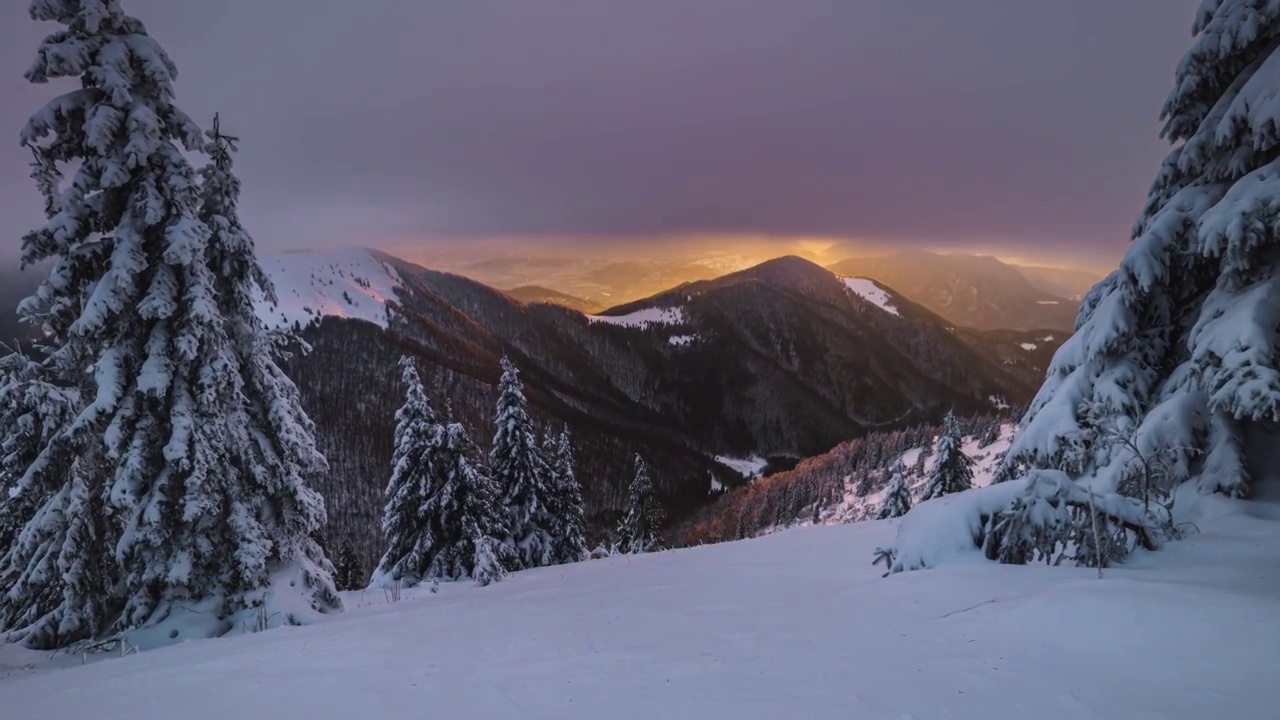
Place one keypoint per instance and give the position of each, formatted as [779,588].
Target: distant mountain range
[539,294]
[978,291]
[777,362]
[780,361]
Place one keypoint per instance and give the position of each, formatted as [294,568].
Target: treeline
[350,387]
[860,467]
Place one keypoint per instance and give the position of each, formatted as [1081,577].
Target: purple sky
[982,122]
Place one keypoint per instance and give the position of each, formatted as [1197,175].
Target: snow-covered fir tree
[641,528]
[181,486]
[521,474]
[32,411]
[478,521]
[897,498]
[570,525]
[411,520]
[443,517]
[349,570]
[952,470]
[1176,354]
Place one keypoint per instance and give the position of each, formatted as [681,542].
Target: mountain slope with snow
[795,625]
[353,283]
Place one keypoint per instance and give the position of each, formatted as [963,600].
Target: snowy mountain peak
[355,283]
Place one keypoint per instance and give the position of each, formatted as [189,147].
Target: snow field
[870,291]
[643,318]
[349,283]
[794,625]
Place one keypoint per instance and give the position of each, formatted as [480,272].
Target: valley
[781,361]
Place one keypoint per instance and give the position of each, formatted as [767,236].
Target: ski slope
[794,625]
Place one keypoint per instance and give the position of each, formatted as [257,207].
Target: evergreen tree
[443,518]
[412,521]
[952,470]
[1176,352]
[897,499]
[182,484]
[521,474]
[349,569]
[641,528]
[32,411]
[477,520]
[570,543]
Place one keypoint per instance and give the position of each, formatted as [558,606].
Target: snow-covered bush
[1044,516]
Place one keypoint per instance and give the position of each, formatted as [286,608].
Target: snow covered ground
[643,318]
[750,468]
[794,625]
[986,461]
[349,283]
[870,291]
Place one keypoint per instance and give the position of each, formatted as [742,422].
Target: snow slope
[751,468]
[794,625]
[643,318]
[871,292]
[348,283]
[986,461]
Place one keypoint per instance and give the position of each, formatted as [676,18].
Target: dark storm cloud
[981,121]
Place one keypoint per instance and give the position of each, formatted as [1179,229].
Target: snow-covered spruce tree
[1175,354]
[478,521]
[411,520]
[897,499]
[952,470]
[443,518]
[641,528]
[521,474]
[192,454]
[570,542]
[349,569]
[32,411]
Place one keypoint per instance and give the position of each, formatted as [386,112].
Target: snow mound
[643,318]
[350,283]
[1029,346]
[751,468]
[682,340]
[1047,302]
[871,292]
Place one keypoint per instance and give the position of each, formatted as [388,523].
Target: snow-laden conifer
[952,470]
[443,518]
[641,528]
[1176,354]
[521,474]
[474,516]
[897,498]
[570,525]
[412,521]
[188,464]
[349,569]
